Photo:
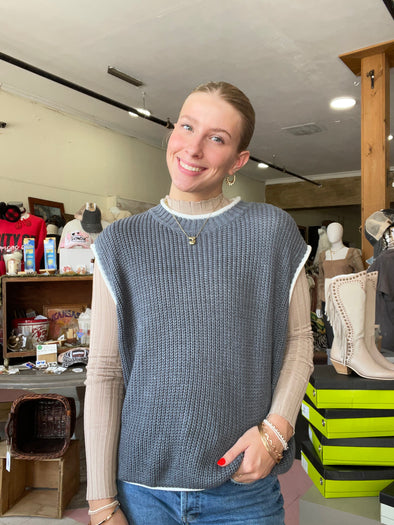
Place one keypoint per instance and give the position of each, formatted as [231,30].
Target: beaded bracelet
[109,515]
[277,433]
[267,442]
[96,511]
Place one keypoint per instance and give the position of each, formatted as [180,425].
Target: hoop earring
[230,182]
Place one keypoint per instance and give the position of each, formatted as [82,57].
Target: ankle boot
[346,311]
[369,326]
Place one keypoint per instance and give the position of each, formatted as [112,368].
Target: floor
[294,484]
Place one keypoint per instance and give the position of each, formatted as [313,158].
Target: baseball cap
[376,225]
[91,221]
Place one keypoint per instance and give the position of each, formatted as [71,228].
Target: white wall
[49,155]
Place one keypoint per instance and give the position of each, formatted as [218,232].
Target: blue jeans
[258,503]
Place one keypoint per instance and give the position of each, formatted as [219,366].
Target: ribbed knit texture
[202,334]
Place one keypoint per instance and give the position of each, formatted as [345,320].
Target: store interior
[69,135]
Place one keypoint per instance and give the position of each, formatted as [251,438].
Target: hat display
[91,221]
[376,225]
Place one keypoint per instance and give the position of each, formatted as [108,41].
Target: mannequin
[82,231]
[323,243]
[337,260]
[13,233]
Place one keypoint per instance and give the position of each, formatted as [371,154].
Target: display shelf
[20,293]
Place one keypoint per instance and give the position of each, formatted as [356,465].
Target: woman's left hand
[256,464]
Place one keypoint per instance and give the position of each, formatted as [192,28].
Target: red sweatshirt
[13,233]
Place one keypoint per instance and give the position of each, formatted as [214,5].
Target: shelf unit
[34,292]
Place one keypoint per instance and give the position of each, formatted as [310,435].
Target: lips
[189,168]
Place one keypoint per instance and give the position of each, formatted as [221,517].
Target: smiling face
[203,147]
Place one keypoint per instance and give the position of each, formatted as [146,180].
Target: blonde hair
[236,98]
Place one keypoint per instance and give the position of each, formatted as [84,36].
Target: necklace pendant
[192,240]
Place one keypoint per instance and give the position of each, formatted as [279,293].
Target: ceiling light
[262,165]
[343,103]
[124,76]
[144,112]
[132,114]
[390,137]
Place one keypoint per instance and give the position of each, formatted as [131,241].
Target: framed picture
[63,319]
[46,209]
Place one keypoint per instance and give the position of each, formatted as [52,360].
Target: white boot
[369,326]
[345,306]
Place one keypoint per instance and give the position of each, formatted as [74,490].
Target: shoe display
[346,311]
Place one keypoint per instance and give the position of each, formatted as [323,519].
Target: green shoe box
[328,389]
[386,499]
[340,423]
[344,482]
[369,451]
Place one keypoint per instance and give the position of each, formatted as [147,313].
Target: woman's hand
[256,464]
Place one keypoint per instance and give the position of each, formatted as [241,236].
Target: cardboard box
[39,488]
[339,423]
[344,482]
[328,389]
[75,258]
[369,451]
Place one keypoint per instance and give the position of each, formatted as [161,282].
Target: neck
[180,195]
[336,246]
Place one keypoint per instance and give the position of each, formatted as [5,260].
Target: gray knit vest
[202,335]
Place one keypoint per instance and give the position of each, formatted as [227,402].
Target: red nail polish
[221,462]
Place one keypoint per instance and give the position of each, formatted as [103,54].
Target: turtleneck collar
[197,208]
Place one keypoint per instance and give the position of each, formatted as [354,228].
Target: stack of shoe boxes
[350,452]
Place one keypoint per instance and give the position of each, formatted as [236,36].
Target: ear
[241,160]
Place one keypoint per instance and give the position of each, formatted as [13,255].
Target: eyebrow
[215,130]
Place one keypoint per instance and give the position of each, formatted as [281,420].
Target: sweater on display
[329,268]
[202,335]
[384,265]
[13,234]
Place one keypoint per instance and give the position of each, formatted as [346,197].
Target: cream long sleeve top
[105,387]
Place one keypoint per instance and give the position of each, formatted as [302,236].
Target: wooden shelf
[20,293]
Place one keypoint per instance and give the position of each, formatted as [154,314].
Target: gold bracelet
[267,442]
[109,516]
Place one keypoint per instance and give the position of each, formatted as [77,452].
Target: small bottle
[91,266]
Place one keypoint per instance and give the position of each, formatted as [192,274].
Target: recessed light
[262,165]
[343,103]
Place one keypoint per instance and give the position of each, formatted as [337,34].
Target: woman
[214,360]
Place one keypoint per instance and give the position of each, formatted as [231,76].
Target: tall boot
[345,306]
[369,326]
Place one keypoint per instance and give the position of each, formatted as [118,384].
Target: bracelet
[96,511]
[267,442]
[109,515]
[277,433]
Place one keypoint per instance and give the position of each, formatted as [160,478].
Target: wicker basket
[40,426]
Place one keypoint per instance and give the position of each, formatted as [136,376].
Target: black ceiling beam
[165,123]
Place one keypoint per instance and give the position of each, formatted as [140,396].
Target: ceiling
[283,54]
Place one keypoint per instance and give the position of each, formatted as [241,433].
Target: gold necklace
[193,238]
